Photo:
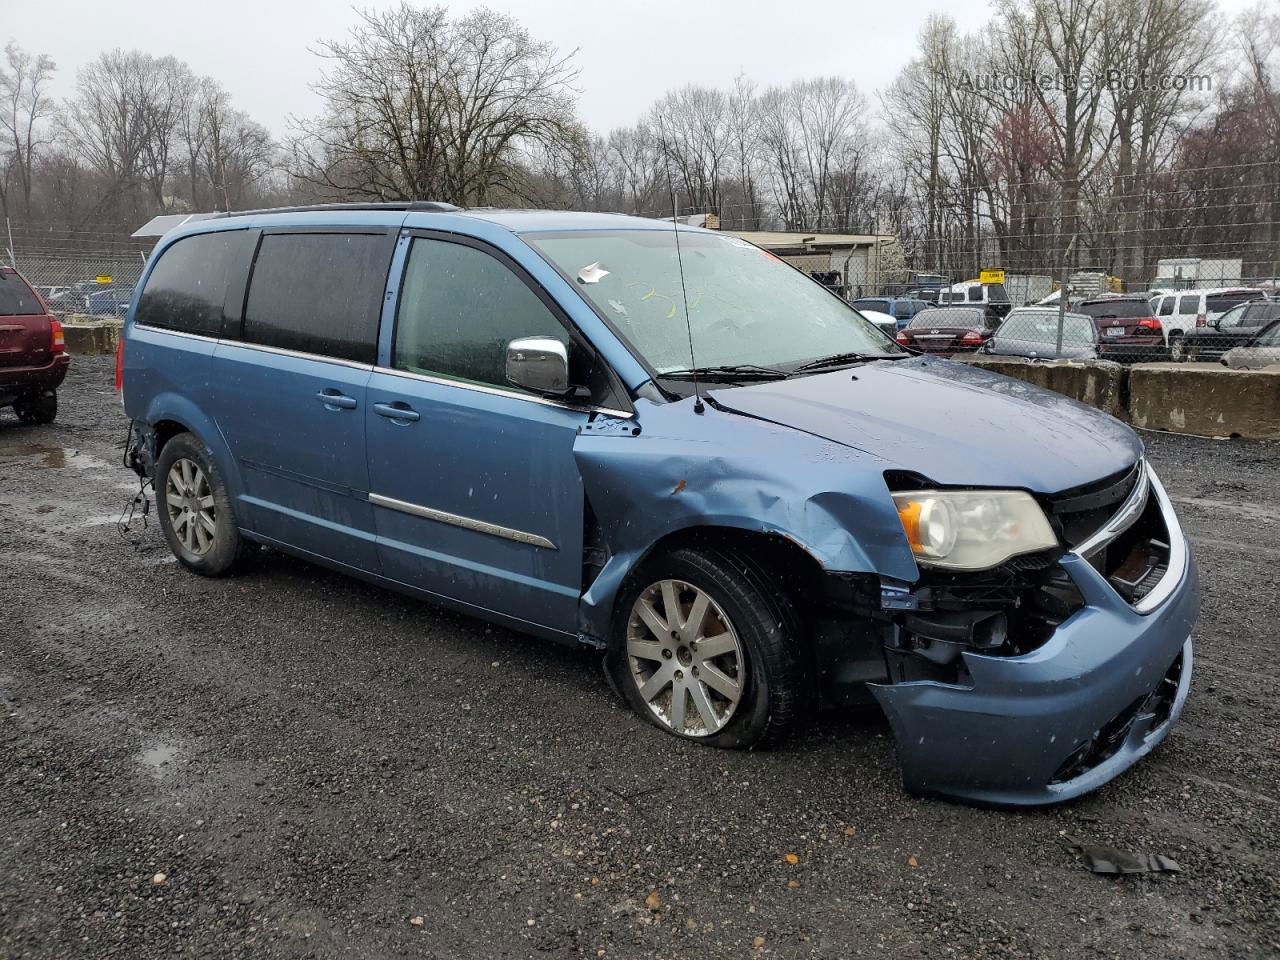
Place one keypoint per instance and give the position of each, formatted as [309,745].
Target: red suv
[33,356]
[1128,328]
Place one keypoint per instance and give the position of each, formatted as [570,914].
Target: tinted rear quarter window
[318,293]
[187,288]
[16,298]
[1189,304]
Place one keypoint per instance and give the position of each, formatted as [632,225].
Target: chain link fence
[84,286]
[1232,321]
[1195,311]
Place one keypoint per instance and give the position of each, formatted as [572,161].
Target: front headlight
[972,529]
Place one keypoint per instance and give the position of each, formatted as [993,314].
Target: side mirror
[540,364]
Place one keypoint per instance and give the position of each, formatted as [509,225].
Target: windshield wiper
[733,371]
[839,359]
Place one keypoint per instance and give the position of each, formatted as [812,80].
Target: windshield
[1041,326]
[965,319]
[745,305]
[1127,309]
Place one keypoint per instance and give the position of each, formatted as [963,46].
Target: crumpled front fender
[683,469]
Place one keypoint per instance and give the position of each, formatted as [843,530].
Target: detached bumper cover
[1066,718]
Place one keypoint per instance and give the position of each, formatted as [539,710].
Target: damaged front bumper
[1065,718]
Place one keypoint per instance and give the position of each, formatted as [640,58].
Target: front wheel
[704,650]
[195,509]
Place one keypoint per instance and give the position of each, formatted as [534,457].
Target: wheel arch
[170,414]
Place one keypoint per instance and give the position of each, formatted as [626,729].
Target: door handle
[397,412]
[335,400]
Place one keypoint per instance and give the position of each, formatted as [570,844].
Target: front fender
[718,469]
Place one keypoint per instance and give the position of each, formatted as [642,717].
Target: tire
[38,408]
[1177,348]
[195,510]
[754,628]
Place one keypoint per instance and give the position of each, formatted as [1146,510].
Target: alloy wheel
[685,658]
[189,502]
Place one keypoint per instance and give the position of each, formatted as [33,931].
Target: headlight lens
[972,529]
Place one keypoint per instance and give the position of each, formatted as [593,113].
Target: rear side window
[16,298]
[187,288]
[1189,305]
[975,294]
[318,293]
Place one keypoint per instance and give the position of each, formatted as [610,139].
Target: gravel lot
[322,769]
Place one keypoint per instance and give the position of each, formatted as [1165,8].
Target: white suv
[1181,311]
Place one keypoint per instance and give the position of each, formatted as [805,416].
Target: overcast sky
[630,52]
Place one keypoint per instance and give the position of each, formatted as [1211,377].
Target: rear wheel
[704,650]
[195,510]
[1177,348]
[39,407]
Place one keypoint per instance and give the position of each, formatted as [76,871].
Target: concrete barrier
[85,336]
[1200,398]
[1205,399]
[1099,383]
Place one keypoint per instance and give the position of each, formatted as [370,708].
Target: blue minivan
[669,446]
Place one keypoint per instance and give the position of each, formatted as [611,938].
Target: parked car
[1262,350]
[499,411]
[885,323]
[106,302]
[1127,328]
[928,294]
[948,330]
[900,308]
[991,296]
[1032,332]
[33,356]
[1184,311]
[1235,328]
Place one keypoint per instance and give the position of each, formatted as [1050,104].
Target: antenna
[684,294]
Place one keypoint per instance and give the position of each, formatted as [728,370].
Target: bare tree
[24,105]
[125,118]
[419,105]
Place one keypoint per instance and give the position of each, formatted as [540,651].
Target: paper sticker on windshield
[592,273]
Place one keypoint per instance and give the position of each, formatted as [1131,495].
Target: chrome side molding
[466,523]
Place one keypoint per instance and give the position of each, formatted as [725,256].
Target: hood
[952,423]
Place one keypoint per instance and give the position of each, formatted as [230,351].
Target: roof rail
[429,206]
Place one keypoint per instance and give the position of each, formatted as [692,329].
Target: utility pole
[1062,295]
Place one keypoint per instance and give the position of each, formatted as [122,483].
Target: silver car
[1262,351]
[1032,332]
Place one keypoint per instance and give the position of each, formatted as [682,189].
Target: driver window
[459,307]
